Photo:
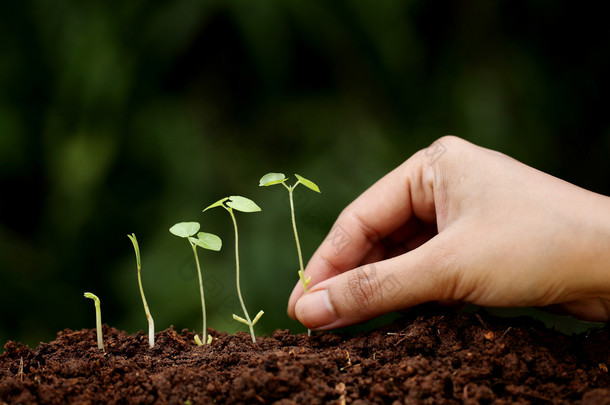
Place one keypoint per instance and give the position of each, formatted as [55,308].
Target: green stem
[205,329]
[296,239]
[241,300]
[98,325]
[98,319]
[151,323]
[296,234]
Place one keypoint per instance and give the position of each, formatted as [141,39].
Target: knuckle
[364,289]
[450,139]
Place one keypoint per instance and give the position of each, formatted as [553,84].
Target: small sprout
[207,241]
[271,179]
[198,341]
[98,320]
[151,322]
[242,204]
[210,338]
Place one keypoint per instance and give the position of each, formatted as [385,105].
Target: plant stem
[98,320]
[151,323]
[296,239]
[241,300]
[98,325]
[205,329]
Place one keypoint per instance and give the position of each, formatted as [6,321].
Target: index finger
[405,192]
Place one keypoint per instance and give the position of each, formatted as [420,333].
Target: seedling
[278,178]
[271,179]
[207,241]
[242,204]
[98,320]
[151,322]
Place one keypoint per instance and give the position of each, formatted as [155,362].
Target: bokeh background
[120,117]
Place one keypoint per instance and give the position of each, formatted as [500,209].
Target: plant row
[196,238]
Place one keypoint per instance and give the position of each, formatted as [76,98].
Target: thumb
[375,289]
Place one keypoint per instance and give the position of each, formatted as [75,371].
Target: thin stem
[296,234]
[241,300]
[98,325]
[98,319]
[205,329]
[296,239]
[151,323]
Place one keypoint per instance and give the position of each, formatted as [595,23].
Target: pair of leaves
[236,202]
[205,240]
[256,318]
[271,179]
[200,343]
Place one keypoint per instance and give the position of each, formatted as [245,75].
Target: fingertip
[315,311]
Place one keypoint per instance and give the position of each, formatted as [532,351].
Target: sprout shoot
[278,178]
[207,241]
[151,322]
[98,320]
[242,204]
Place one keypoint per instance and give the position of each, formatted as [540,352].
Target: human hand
[472,225]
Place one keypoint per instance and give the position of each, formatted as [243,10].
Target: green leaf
[134,241]
[216,204]
[212,241]
[308,183]
[92,296]
[185,229]
[257,317]
[240,319]
[242,204]
[270,179]
[207,241]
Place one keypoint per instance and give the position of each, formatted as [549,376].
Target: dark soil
[437,359]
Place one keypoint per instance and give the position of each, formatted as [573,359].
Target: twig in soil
[506,331]
[20,372]
[481,320]
[349,362]
[399,334]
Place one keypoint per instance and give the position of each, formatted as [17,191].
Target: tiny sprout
[271,179]
[98,319]
[242,204]
[207,241]
[151,322]
[198,341]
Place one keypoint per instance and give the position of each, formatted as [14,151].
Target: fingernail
[314,310]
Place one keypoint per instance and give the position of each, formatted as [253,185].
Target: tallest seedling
[242,204]
[278,178]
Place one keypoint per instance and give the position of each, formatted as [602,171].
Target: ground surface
[437,359]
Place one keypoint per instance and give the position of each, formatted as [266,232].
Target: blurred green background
[120,117]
